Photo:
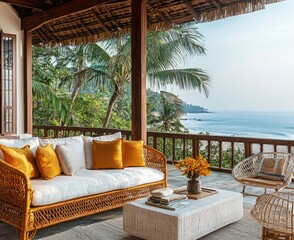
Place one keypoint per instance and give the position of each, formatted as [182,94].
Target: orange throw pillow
[21,158]
[47,162]
[133,153]
[107,154]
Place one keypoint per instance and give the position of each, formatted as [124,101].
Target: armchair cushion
[272,168]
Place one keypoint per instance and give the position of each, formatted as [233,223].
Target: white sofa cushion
[87,182]
[19,143]
[55,141]
[71,155]
[78,153]
[88,144]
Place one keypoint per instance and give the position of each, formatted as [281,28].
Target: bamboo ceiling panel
[113,18]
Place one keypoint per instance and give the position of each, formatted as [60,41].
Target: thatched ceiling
[91,20]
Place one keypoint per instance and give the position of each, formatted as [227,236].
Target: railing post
[184,148]
[174,152]
[220,155]
[195,147]
[208,151]
[155,142]
[163,147]
[55,133]
[233,155]
[247,149]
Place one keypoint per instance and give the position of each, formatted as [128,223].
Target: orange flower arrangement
[194,168]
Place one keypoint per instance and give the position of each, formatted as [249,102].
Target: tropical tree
[168,117]
[107,66]
[47,75]
[111,64]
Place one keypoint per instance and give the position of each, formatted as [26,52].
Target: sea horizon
[256,124]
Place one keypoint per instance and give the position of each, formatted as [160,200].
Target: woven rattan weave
[245,172]
[276,214]
[16,196]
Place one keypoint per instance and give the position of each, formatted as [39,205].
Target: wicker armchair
[275,212]
[246,171]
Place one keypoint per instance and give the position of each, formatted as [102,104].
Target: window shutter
[8,83]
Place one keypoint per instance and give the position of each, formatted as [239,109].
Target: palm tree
[165,51]
[77,58]
[169,114]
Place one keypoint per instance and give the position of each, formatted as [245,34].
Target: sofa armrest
[155,159]
[15,196]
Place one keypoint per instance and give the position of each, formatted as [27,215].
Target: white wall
[10,23]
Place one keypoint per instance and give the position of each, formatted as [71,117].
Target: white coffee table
[192,222]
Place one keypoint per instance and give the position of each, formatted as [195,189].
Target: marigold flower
[194,168]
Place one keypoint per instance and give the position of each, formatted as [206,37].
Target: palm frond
[43,92]
[191,78]
[169,48]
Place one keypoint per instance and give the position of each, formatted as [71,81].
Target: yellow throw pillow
[107,154]
[133,153]
[21,158]
[47,162]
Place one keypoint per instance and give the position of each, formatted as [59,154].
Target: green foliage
[189,108]
[89,85]
[89,110]
[167,113]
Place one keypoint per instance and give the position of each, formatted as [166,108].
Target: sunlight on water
[276,125]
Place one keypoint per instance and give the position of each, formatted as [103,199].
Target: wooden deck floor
[216,180]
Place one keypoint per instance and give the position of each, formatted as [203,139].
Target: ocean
[274,125]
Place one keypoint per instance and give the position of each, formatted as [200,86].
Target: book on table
[171,202]
[174,205]
[167,199]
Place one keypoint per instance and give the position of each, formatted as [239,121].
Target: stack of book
[167,200]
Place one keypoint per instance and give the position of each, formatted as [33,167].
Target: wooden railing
[222,152]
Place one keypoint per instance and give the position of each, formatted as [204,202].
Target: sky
[250,59]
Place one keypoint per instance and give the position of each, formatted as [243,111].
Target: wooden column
[28,95]
[139,28]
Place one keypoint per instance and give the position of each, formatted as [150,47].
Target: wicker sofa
[17,190]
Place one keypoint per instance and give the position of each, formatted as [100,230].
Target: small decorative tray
[205,192]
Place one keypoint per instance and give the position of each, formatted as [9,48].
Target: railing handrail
[174,135]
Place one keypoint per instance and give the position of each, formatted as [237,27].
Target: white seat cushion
[87,182]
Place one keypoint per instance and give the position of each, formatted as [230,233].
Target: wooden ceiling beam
[167,21]
[35,21]
[191,9]
[99,20]
[28,4]
[113,19]
[42,36]
[84,25]
[217,4]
